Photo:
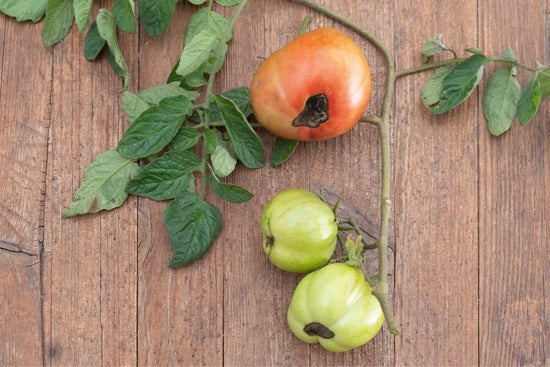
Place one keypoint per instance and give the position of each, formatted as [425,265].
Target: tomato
[299,231]
[334,306]
[316,87]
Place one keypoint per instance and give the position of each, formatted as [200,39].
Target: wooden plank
[24,119]
[181,311]
[435,198]
[515,204]
[90,263]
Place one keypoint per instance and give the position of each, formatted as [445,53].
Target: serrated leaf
[156,15]
[196,52]
[433,46]
[431,92]
[124,15]
[185,139]
[59,19]
[247,145]
[223,162]
[229,192]
[23,10]
[94,43]
[460,83]
[205,18]
[500,100]
[103,187]
[282,151]
[166,177]
[529,101]
[106,28]
[154,128]
[193,226]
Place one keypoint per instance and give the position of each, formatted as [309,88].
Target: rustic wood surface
[470,224]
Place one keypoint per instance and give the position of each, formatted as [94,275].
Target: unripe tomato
[316,87]
[299,231]
[334,306]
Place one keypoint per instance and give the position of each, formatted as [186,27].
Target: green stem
[381,290]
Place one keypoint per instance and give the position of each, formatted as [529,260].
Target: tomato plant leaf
[529,101]
[228,192]
[59,19]
[205,18]
[247,145]
[509,54]
[282,151]
[223,162]
[227,2]
[500,100]
[155,94]
[106,27]
[133,105]
[82,9]
[185,139]
[23,10]
[103,187]
[94,43]
[124,15]
[460,83]
[240,96]
[156,15]
[433,46]
[544,82]
[193,225]
[154,128]
[210,141]
[196,52]
[197,2]
[166,177]
[431,92]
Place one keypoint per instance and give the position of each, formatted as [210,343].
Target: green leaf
[197,2]
[240,96]
[133,105]
[228,192]
[509,54]
[529,101]
[282,151]
[154,128]
[500,100]
[156,15]
[223,162]
[210,140]
[23,10]
[227,2]
[106,27]
[104,183]
[433,46]
[82,9]
[59,19]
[155,94]
[185,139]
[193,226]
[166,177]
[206,19]
[94,43]
[196,52]
[460,83]
[544,82]
[247,145]
[431,92]
[124,14]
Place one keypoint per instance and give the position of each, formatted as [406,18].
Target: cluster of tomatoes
[316,87]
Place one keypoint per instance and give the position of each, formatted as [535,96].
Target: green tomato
[334,306]
[299,231]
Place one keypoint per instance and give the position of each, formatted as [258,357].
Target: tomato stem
[381,288]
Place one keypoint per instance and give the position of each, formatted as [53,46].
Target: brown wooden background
[470,223]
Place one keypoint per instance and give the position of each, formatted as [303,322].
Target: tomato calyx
[318,329]
[315,112]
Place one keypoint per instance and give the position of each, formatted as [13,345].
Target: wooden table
[469,230]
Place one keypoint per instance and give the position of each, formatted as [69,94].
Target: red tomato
[316,87]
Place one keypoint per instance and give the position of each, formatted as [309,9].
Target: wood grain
[469,226]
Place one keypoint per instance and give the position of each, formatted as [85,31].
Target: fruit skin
[299,231]
[338,297]
[323,61]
